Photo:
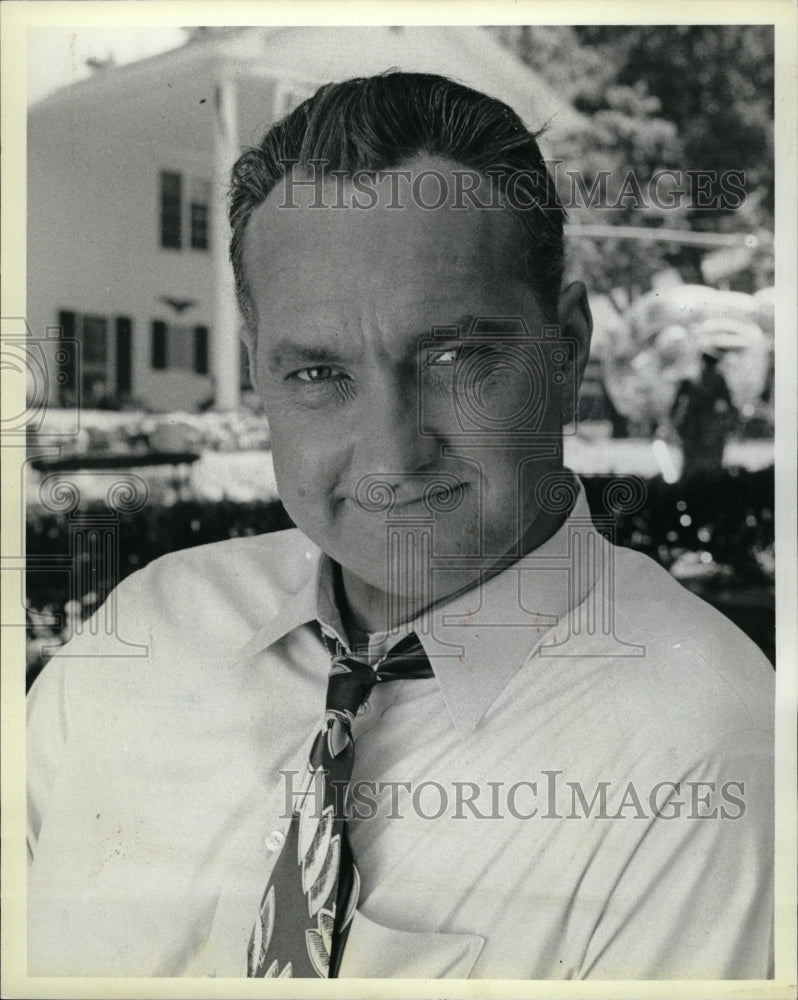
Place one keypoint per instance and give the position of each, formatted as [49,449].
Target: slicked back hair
[379,122]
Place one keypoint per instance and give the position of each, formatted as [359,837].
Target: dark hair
[378,122]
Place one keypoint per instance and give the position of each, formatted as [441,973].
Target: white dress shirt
[157,805]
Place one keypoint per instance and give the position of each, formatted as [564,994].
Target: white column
[224,339]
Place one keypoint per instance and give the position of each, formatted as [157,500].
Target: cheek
[294,462]
[306,468]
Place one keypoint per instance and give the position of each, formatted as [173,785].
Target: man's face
[344,299]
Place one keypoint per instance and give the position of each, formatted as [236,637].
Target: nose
[390,444]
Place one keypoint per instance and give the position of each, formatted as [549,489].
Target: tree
[653,98]
[715,82]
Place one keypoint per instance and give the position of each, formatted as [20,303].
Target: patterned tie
[312,892]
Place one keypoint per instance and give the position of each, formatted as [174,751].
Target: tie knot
[351,680]
[406,660]
[349,683]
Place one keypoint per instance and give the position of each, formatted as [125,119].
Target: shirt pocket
[376,952]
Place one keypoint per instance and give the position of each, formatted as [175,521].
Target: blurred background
[661,142]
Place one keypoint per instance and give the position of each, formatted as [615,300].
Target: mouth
[440,494]
[438,498]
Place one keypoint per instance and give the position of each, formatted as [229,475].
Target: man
[581,786]
[704,415]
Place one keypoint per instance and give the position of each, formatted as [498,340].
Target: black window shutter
[201,350]
[68,366]
[124,355]
[159,345]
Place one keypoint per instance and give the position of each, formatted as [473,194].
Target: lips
[437,498]
[435,492]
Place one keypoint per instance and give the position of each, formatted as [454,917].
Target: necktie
[310,898]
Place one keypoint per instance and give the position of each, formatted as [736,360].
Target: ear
[576,324]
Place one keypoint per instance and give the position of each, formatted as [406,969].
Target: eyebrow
[286,352]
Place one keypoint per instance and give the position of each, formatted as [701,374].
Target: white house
[127,173]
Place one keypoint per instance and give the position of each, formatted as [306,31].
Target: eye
[318,373]
[447,356]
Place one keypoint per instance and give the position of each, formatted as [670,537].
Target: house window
[94,342]
[102,367]
[177,347]
[184,205]
[199,208]
[171,210]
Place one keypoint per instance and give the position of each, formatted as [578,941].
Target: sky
[57,56]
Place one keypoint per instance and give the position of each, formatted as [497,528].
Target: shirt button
[275,841]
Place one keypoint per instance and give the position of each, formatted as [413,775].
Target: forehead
[409,264]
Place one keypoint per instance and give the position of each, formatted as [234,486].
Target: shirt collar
[294,602]
[478,640]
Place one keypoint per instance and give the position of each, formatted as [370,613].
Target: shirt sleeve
[694,896]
